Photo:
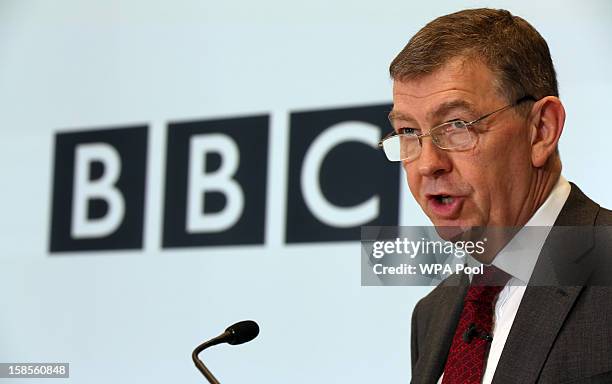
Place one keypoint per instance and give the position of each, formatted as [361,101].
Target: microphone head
[242,332]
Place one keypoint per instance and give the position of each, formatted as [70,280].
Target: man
[477,120]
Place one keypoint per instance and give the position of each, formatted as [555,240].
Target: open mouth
[444,199]
[445,206]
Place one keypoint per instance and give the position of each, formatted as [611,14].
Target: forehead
[460,83]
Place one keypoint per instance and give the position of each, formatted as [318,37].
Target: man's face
[487,185]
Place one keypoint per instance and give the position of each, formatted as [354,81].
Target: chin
[455,229]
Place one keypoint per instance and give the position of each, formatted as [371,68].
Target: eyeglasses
[405,144]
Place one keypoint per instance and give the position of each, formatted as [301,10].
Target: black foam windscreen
[242,332]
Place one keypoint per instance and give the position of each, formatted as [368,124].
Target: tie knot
[486,286]
[491,276]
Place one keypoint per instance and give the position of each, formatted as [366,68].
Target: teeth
[446,199]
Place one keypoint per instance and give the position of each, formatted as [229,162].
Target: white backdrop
[126,317]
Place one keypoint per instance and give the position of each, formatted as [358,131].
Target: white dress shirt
[518,258]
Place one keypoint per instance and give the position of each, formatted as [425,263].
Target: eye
[459,124]
[456,124]
[409,131]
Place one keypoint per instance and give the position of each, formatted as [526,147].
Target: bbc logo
[215,185]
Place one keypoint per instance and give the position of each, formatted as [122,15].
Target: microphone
[238,333]
[471,332]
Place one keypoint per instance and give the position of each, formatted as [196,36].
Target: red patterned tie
[466,358]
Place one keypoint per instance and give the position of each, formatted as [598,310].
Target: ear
[546,124]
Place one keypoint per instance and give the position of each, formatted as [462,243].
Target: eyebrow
[440,110]
[450,105]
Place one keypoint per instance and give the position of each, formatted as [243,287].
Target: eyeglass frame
[467,124]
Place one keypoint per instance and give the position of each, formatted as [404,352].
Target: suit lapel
[545,306]
[443,324]
[540,316]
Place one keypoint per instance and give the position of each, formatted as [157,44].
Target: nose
[432,161]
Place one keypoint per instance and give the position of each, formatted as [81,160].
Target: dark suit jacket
[561,334]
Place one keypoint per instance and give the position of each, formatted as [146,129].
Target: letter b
[105,189]
[216,176]
[222,181]
[98,190]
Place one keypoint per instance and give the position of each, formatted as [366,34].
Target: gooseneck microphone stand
[238,333]
[199,364]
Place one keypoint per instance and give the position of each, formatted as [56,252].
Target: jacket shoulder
[604,217]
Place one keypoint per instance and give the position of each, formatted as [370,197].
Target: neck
[542,184]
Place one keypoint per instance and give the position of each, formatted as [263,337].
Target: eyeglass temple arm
[519,101]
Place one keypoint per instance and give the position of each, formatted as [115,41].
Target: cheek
[413,179]
[507,148]
[478,175]
[494,169]
[507,163]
